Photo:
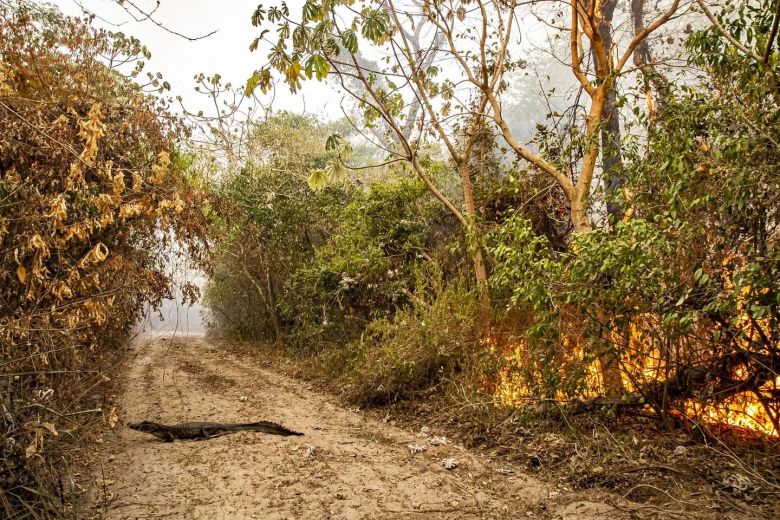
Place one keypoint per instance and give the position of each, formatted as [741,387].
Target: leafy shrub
[92,194]
[418,350]
[366,268]
[268,223]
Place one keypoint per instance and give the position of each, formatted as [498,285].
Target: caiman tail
[265,427]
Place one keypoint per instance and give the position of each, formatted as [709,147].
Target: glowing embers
[567,372]
[744,410]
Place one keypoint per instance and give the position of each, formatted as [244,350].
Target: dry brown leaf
[36,446]
[111,417]
[49,427]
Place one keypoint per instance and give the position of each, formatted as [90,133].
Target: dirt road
[346,466]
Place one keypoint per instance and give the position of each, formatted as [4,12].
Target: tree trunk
[277,324]
[485,308]
[581,192]
[611,158]
[475,249]
[579,213]
[612,179]
[643,59]
[268,301]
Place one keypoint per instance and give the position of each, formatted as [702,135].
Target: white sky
[226,52]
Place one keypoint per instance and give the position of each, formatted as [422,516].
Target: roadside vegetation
[618,272]
[666,301]
[93,190]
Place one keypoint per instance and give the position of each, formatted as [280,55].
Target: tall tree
[458,93]
[611,161]
[479,41]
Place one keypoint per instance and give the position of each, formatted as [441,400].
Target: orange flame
[744,410]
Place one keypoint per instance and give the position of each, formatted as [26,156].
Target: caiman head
[144,426]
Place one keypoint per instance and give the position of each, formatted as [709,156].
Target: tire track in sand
[346,466]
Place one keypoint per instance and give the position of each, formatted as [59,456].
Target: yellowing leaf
[21,273]
[111,418]
[317,180]
[100,252]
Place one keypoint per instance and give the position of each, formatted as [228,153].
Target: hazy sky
[226,52]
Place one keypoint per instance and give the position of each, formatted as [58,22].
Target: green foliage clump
[582,299]
[419,350]
[682,294]
[367,266]
[268,224]
[305,267]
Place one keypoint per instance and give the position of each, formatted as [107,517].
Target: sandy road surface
[346,466]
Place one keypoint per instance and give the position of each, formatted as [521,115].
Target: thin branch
[576,59]
[722,30]
[148,16]
[376,165]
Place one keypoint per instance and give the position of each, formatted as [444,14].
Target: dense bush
[682,293]
[368,266]
[420,349]
[268,224]
[307,267]
[92,194]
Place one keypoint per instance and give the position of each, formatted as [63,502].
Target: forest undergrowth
[669,473]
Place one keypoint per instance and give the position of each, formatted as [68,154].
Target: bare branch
[149,16]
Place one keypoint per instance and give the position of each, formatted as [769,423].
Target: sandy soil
[346,466]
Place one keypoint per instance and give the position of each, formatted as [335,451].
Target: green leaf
[311,11]
[332,142]
[349,41]
[284,31]
[336,171]
[300,37]
[274,15]
[346,150]
[317,180]
[317,65]
[375,25]
[258,16]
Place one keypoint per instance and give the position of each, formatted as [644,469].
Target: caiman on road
[206,430]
